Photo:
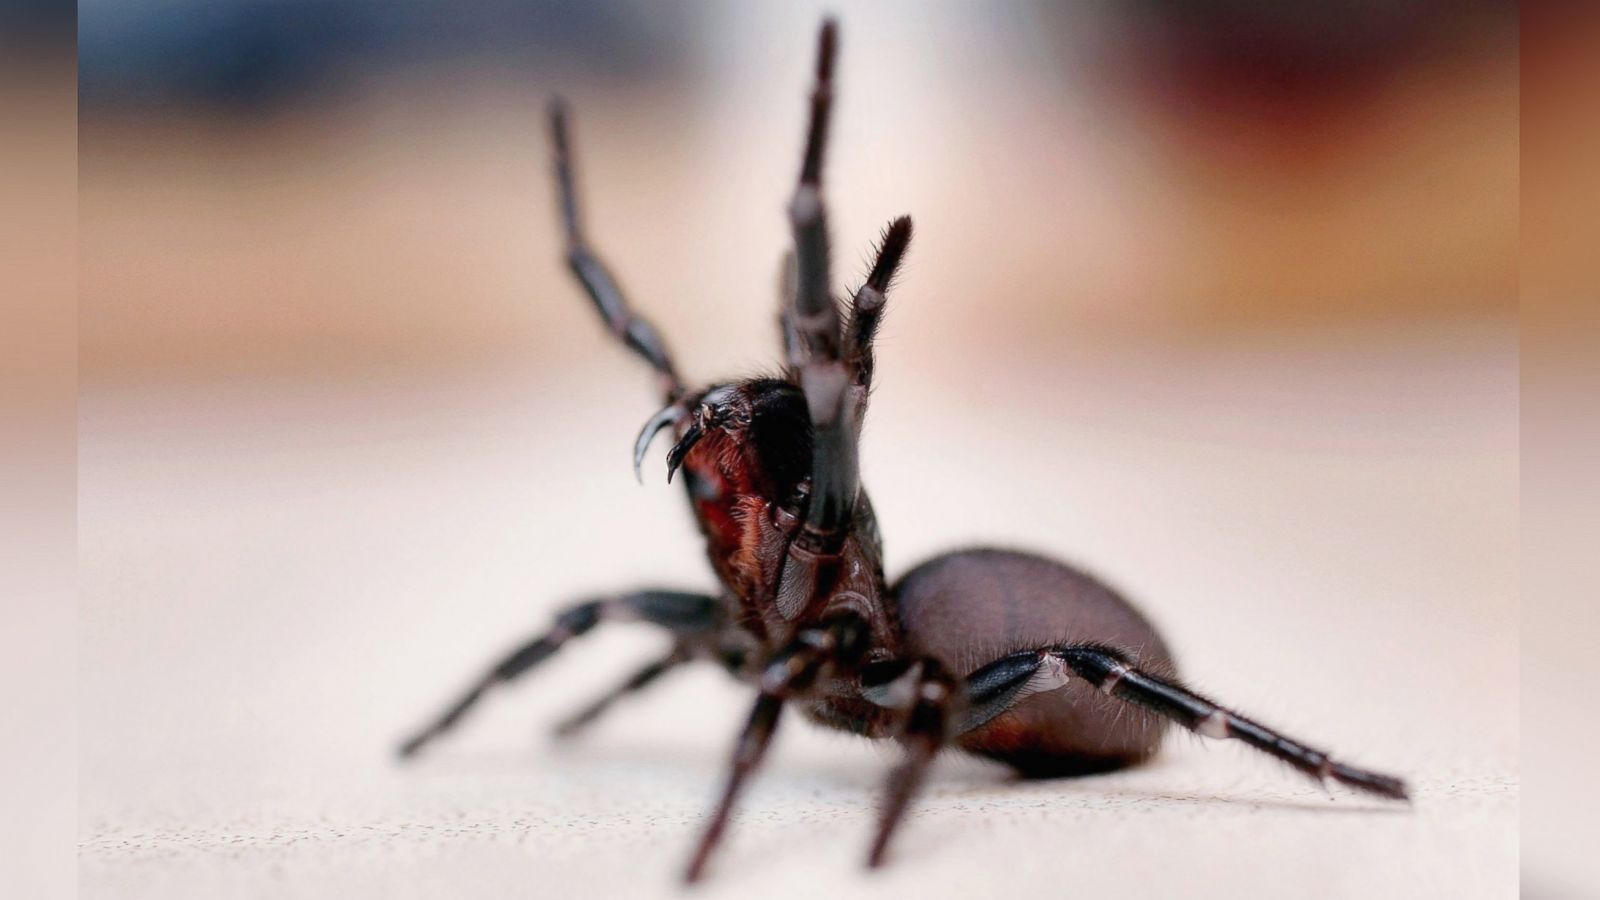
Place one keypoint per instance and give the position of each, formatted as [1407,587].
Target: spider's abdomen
[970,607]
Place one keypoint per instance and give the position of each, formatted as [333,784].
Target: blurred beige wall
[1057,196]
[38,488]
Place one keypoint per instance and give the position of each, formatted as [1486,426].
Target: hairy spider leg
[866,309]
[811,562]
[633,330]
[693,619]
[788,337]
[996,687]
[642,678]
[813,346]
[829,650]
[1115,675]
[934,699]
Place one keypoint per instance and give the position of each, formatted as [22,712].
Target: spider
[998,653]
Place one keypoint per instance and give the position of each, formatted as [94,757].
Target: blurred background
[1220,301]
[272,184]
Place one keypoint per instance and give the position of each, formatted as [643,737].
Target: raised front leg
[830,362]
[866,309]
[693,620]
[633,330]
[813,338]
[815,355]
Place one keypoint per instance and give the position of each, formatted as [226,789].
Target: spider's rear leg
[1113,674]
[690,617]
[999,686]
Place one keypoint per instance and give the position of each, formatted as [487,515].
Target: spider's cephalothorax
[1000,653]
[745,450]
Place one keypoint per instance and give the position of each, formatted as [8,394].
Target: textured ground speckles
[277,584]
[620,829]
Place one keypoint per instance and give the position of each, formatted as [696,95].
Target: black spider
[999,653]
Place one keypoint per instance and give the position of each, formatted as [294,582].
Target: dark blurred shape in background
[25,22]
[248,57]
[1292,59]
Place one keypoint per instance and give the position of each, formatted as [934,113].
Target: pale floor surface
[280,579]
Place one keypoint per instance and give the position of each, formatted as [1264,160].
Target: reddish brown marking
[735,512]
[753,516]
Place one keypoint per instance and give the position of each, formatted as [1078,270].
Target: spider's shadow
[963,777]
